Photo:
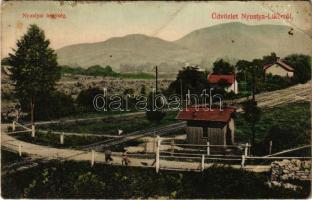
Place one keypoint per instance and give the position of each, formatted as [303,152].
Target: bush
[50,106]
[77,180]
[85,98]
[153,114]
[285,137]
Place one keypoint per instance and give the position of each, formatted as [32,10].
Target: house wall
[194,135]
[233,87]
[278,70]
[232,128]
[215,135]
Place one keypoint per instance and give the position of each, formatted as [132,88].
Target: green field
[295,115]
[53,140]
[294,119]
[78,180]
[111,125]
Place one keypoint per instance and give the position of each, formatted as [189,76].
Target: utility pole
[253,83]
[181,91]
[156,71]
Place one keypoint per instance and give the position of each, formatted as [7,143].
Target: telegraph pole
[253,84]
[156,71]
[181,91]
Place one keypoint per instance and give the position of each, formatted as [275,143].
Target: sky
[90,22]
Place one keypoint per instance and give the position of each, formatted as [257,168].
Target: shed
[203,125]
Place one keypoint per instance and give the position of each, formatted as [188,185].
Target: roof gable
[203,114]
[281,64]
[217,78]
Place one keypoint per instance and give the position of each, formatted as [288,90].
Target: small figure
[120,131]
[125,159]
[108,155]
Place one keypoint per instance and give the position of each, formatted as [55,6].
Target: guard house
[214,126]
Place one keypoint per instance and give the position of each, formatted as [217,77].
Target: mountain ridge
[202,47]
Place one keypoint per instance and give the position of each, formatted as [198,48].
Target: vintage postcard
[156,99]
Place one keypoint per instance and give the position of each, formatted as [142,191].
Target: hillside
[232,40]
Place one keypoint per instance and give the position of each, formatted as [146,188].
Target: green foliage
[189,78]
[72,70]
[77,180]
[153,114]
[5,61]
[85,98]
[143,90]
[9,157]
[53,140]
[222,67]
[252,112]
[33,65]
[268,59]
[97,70]
[276,83]
[285,137]
[110,125]
[302,65]
[51,105]
[295,117]
[252,115]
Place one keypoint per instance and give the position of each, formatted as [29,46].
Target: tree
[189,78]
[302,65]
[85,98]
[222,67]
[5,61]
[285,137]
[153,114]
[34,67]
[252,115]
[143,90]
[269,59]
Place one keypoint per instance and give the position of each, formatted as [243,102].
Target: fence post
[13,126]
[172,147]
[243,161]
[270,147]
[208,149]
[92,157]
[145,147]
[154,144]
[246,149]
[203,162]
[157,154]
[62,138]
[32,130]
[20,149]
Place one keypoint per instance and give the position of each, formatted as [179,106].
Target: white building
[216,80]
[279,68]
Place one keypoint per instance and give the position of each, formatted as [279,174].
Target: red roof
[203,114]
[216,78]
[280,63]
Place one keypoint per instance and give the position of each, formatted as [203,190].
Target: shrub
[51,105]
[85,98]
[285,137]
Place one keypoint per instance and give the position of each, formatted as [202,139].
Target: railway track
[133,136]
